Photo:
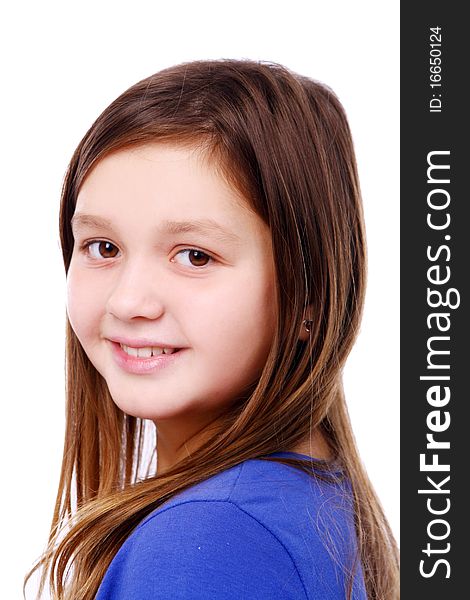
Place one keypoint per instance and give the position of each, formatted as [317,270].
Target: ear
[303,333]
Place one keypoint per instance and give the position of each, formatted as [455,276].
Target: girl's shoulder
[261,529]
[257,485]
[278,495]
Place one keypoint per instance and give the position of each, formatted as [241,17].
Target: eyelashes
[101,244]
[97,250]
[195,254]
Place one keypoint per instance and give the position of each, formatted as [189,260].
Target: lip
[143,366]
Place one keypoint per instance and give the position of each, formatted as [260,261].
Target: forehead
[157,170]
[162,184]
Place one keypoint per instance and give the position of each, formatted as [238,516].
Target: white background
[63,63]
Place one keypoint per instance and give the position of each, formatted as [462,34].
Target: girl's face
[166,255]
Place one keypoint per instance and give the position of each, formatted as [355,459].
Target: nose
[136,293]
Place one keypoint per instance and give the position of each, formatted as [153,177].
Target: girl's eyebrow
[81,221]
[204,226]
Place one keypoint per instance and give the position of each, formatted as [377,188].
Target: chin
[152,410]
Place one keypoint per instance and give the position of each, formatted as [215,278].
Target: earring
[307,324]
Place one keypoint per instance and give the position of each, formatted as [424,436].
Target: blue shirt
[259,530]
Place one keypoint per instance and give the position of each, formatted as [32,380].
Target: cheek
[237,321]
[83,305]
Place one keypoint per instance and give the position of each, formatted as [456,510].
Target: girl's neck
[316,447]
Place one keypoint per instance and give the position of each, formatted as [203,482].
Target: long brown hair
[283,141]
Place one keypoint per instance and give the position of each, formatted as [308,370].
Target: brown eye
[193,258]
[104,249]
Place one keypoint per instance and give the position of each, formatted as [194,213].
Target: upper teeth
[146,352]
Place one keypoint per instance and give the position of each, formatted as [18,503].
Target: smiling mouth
[148,351]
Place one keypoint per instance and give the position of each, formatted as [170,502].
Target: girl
[213,239]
